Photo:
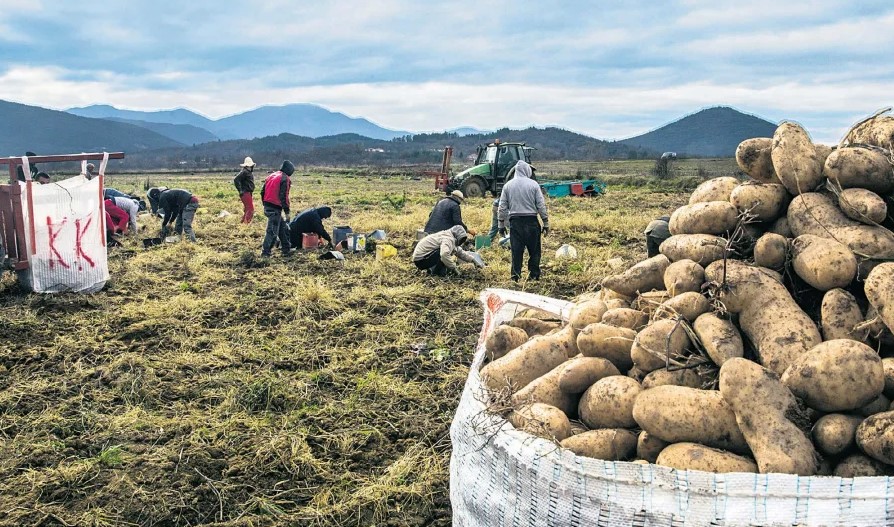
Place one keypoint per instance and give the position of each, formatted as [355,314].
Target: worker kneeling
[435,252]
[310,222]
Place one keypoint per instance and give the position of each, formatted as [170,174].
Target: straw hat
[247,163]
[458,194]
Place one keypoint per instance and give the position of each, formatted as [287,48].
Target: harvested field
[207,386]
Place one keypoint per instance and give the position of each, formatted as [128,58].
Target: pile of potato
[759,340]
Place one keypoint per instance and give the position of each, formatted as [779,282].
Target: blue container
[341,234]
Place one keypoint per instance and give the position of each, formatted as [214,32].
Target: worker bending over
[176,203]
[310,221]
[446,214]
[435,252]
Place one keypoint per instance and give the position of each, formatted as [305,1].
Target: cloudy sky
[607,69]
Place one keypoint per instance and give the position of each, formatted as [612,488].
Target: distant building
[376,150]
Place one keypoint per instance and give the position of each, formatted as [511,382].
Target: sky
[606,69]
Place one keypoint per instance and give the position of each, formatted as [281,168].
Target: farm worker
[275,197]
[109,193]
[43,178]
[117,215]
[446,214]
[182,205]
[435,252]
[152,195]
[33,168]
[310,221]
[131,206]
[245,186]
[656,232]
[520,203]
[90,171]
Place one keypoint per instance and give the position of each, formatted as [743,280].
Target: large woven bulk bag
[500,476]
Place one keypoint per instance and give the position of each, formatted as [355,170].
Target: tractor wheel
[474,187]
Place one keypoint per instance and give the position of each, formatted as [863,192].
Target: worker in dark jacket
[275,197]
[446,214]
[656,232]
[177,203]
[245,186]
[310,221]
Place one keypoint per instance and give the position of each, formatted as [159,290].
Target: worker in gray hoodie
[435,252]
[520,203]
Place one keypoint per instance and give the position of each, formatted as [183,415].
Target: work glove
[502,232]
[545,229]
[480,264]
[456,271]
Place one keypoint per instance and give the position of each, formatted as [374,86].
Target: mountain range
[312,134]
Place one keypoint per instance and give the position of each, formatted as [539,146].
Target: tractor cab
[494,166]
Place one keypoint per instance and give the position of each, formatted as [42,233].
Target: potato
[636,374]
[719,337]
[771,251]
[609,342]
[581,372]
[876,406]
[540,314]
[875,437]
[877,130]
[625,317]
[716,189]
[766,202]
[541,420]
[679,377]
[529,361]
[781,227]
[879,289]
[644,276]
[794,159]
[836,375]
[860,466]
[609,403]
[764,407]
[610,444]
[709,217]
[504,339]
[860,167]
[835,433]
[841,317]
[586,313]
[533,326]
[616,303]
[815,214]
[823,263]
[863,205]
[693,456]
[545,389]
[657,342]
[648,446]
[678,414]
[683,276]
[648,302]
[687,305]
[822,153]
[875,326]
[700,248]
[888,366]
[768,315]
[607,295]
[753,157]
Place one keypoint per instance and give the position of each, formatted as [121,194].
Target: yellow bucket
[384,251]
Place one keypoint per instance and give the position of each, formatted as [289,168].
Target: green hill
[712,132]
[45,131]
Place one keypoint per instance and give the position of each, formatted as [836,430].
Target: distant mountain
[186,134]
[306,120]
[712,132]
[468,130]
[24,127]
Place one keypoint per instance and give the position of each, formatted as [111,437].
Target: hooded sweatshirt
[522,197]
[447,243]
[311,220]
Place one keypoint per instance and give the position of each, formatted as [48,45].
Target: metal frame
[442,176]
[12,219]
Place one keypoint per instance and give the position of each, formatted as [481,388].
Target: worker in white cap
[446,214]
[245,186]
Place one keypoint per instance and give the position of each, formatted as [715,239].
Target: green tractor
[494,166]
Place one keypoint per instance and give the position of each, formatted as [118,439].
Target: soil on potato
[206,385]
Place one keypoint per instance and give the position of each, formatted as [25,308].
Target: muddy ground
[208,386]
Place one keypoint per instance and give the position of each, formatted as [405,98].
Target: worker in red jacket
[275,197]
[118,216]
